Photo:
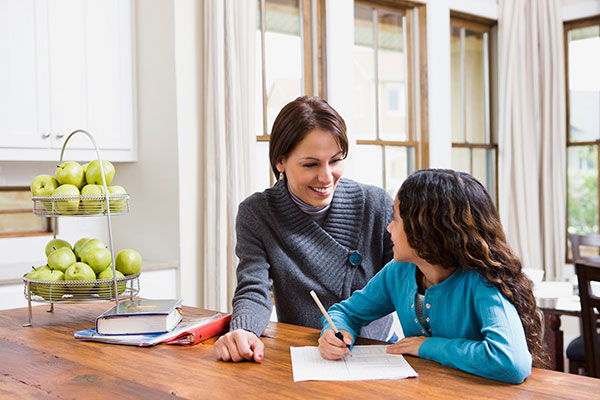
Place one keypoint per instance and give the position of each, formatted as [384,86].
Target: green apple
[80,272]
[43,185]
[51,292]
[104,287]
[98,259]
[85,166]
[71,173]
[61,259]
[67,201]
[93,174]
[34,276]
[56,244]
[119,203]
[129,262]
[78,246]
[95,205]
[89,245]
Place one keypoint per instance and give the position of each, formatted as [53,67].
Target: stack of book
[150,322]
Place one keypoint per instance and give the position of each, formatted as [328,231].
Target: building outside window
[582,53]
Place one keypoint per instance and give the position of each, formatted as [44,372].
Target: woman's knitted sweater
[284,250]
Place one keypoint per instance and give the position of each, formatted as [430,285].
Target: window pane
[584,84]
[364,117]
[582,200]
[20,221]
[16,199]
[262,171]
[461,159]
[399,162]
[480,166]
[258,107]
[283,54]
[475,101]
[456,86]
[392,76]
[369,171]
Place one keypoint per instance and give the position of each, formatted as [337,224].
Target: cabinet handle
[46,135]
[60,135]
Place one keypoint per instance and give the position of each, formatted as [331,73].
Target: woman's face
[402,251]
[314,168]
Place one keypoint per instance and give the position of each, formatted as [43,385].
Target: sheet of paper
[366,363]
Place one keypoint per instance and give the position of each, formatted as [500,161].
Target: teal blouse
[473,326]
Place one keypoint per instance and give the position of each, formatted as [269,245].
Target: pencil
[338,334]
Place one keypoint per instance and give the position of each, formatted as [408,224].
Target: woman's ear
[280,166]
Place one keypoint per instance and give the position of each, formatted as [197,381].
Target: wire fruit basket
[82,291]
[80,206]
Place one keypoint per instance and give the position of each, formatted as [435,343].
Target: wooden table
[45,362]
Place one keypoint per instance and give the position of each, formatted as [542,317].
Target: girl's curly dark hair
[451,221]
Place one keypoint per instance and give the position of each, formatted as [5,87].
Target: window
[16,214]
[474,149]
[385,60]
[582,54]
[287,55]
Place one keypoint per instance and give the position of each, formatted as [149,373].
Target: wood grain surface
[45,362]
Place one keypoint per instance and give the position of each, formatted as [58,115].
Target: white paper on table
[366,363]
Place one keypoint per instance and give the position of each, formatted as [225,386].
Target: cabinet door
[24,97]
[66,65]
[90,55]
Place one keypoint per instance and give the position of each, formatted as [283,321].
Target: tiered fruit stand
[105,205]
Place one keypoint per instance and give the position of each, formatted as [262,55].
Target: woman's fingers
[239,345]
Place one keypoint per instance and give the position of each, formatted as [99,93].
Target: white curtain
[228,109]
[532,132]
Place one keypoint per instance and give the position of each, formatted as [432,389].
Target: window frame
[485,26]
[415,18]
[48,222]
[568,26]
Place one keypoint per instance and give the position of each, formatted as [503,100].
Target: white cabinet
[66,65]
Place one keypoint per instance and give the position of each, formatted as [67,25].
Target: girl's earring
[281,175]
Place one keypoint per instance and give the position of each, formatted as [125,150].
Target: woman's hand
[239,345]
[332,348]
[409,345]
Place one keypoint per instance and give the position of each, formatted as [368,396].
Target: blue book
[133,317]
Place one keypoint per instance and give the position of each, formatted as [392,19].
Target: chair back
[583,240]
[589,271]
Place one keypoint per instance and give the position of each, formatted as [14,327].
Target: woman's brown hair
[298,118]
[450,220]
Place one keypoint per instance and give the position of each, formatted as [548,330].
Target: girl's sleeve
[365,305]
[501,355]
[252,303]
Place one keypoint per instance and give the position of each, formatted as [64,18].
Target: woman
[313,230]
[459,291]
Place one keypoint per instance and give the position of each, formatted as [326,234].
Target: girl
[459,291]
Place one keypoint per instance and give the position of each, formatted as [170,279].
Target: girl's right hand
[332,348]
[239,345]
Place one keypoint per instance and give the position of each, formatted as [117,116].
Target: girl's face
[402,251]
[314,168]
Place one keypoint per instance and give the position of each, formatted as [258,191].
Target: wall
[152,225]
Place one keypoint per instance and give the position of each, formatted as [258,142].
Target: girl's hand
[409,345]
[332,348]
[239,345]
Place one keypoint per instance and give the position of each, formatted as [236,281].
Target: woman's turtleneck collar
[318,214]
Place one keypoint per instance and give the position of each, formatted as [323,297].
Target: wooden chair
[587,271]
[583,351]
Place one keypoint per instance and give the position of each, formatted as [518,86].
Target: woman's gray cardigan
[280,248]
